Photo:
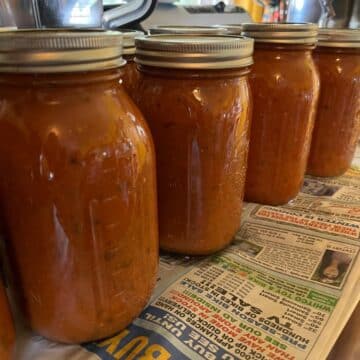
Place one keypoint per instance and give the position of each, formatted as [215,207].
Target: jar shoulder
[77,116]
[201,94]
[280,72]
[338,67]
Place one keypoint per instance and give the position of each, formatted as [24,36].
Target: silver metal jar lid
[194,52]
[188,30]
[129,40]
[282,33]
[58,51]
[231,29]
[342,38]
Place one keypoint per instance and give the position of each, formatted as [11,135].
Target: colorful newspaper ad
[283,290]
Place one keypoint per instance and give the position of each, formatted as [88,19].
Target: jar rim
[129,36]
[187,29]
[231,29]
[59,50]
[194,51]
[340,38]
[282,33]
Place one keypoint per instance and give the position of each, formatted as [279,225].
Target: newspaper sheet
[283,290]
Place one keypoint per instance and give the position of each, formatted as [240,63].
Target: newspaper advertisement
[283,290]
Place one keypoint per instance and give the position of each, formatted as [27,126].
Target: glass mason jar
[337,123]
[285,88]
[130,75]
[7,331]
[77,183]
[194,94]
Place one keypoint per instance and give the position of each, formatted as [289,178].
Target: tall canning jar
[77,183]
[130,75]
[285,88]
[7,332]
[337,123]
[194,93]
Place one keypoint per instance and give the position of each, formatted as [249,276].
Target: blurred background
[146,13]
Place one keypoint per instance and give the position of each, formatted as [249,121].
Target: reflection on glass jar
[78,186]
[285,87]
[337,124]
[198,112]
